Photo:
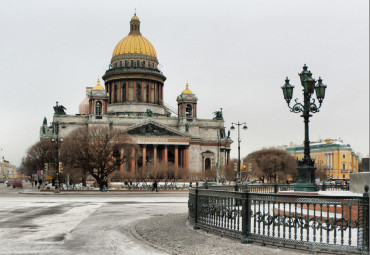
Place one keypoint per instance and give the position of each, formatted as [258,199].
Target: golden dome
[187,90]
[98,86]
[134,43]
[135,18]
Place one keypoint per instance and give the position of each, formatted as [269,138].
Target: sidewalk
[172,234]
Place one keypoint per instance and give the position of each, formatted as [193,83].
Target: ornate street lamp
[57,142]
[306,167]
[233,128]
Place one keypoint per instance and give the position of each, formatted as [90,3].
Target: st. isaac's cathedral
[132,100]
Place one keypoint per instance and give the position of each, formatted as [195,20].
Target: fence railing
[318,223]
[275,188]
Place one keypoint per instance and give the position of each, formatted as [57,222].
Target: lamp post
[244,128]
[306,167]
[57,141]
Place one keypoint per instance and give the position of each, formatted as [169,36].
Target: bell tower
[187,104]
[98,101]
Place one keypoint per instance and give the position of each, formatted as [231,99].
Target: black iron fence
[317,223]
[275,188]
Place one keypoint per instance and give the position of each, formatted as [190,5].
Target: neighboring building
[7,170]
[133,100]
[364,166]
[336,158]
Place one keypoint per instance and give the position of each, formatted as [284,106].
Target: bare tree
[272,165]
[37,155]
[96,150]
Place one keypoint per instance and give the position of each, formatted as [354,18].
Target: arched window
[120,64]
[115,93]
[148,63]
[126,63]
[98,108]
[138,63]
[124,92]
[189,110]
[132,63]
[138,92]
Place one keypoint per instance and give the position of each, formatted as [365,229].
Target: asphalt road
[33,222]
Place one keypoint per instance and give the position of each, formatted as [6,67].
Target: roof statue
[218,115]
[59,109]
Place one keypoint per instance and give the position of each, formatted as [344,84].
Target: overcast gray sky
[235,55]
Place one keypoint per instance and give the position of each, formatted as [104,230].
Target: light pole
[57,141]
[244,128]
[306,167]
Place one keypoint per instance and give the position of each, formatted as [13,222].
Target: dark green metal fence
[319,223]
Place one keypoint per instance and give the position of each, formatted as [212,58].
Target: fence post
[365,246]
[276,188]
[196,207]
[246,217]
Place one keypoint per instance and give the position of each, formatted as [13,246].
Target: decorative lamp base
[306,178]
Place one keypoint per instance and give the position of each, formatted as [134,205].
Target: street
[33,222]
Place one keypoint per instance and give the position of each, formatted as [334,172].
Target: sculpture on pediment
[149,112]
[151,130]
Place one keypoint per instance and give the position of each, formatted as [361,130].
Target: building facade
[335,158]
[132,100]
[7,170]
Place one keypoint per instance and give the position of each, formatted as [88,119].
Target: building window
[143,64]
[148,63]
[344,176]
[115,93]
[98,107]
[115,65]
[138,92]
[132,63]
[344,156]
[120,64]
[147,93]
[207,164]
[138,63]
[126,63]
[124,92]
[344,166]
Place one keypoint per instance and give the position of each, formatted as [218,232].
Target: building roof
[187,90]
[98,86]
[134,43]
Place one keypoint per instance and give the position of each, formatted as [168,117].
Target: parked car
[17,183]
[1,181]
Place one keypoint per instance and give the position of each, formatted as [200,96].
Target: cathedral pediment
[151,128]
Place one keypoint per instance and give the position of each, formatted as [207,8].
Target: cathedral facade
[132,100]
